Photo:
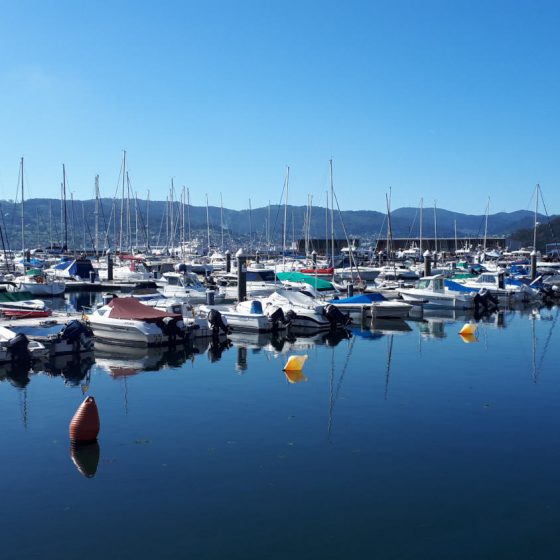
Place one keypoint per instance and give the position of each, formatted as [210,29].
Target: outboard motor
[278,318]
[76,333]
[17,347]
[336,317]
[173,328]
[216,322]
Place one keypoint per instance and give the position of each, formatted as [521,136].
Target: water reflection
[123,361]
[86,458]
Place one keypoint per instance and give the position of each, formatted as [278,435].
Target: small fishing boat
[245,316]
[374,304]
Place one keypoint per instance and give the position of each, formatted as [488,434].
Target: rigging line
[547,215]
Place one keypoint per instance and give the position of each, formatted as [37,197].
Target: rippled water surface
[400,442]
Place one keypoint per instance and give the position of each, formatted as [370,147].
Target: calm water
[400,443]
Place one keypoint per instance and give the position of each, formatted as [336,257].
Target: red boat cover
[131,308]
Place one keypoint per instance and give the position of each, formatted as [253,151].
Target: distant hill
[43,222]
[548,231]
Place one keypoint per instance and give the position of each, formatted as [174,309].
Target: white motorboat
[16,346]
[245,316]
[127,321]
[374,304]
[431,292]
[298,308]
[498,285]
[186,286]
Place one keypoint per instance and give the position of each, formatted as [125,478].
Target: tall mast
[148,221]
[183,199]
[250,227]
[122,201]
[172,217]
[327,226]
[65,227]
[486,227]
[22,210]
[97,216]
[84,226]
[50,224]
[189,215]
[536,214]
[286,184]
[207,223]
[222,219]
[435,227]
[332,214]
[421,222]
[455,224]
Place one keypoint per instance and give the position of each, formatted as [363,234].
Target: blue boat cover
[361,298]
[456,287]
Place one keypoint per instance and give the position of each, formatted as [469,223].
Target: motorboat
[128,321]
[374,304]
[75,337]
[298,308]
[245,316]
[17,347]
[260,282]
[186,286]
[71,269]
[431,292]
[498,285]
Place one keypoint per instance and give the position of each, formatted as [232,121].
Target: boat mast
[250,228]
[327,226]
[22,210]
[486,229]
[332,215]
[421,222]
[65,226]
[148,221]
[207,223]
[97,216]
[536,214]
[222,219]
[50,223]
[122,201]
[435,228]
[286,185]
[455,224]
[189,216]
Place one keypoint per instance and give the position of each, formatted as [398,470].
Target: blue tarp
[456,287]
[361,298]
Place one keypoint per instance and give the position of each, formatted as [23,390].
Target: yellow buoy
[469,329]
[295,363]
[468,338]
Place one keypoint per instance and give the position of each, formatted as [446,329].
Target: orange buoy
[84,426]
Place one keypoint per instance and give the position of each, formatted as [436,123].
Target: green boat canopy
[12,297]
[318,283]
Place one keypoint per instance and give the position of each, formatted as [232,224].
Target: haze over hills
[42,218]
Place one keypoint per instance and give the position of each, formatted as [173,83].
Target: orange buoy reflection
[85,457]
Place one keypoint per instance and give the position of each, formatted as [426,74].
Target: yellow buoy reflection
[295,363]
[295,376]
[468,338]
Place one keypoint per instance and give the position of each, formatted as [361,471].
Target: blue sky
[453,101]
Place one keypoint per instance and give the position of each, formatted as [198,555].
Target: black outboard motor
[173,328]
[336,317]
[290,316]
[17,347]
[217,323]
[75,332]
[278,318]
